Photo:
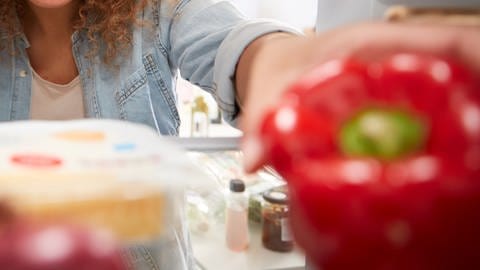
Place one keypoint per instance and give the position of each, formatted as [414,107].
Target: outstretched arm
[271,63]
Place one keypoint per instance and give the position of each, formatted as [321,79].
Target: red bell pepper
[383,163]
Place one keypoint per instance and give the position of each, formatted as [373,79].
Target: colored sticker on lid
[81,136]
[124,147]
[36,160]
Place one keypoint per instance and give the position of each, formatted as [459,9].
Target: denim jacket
[201,39]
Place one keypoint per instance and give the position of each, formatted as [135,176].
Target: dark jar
[276,233]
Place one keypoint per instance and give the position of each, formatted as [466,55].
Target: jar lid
[237,185]
[277,196]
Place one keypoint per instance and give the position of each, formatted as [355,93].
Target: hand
[278,62]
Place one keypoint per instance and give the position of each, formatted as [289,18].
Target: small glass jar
[276,233]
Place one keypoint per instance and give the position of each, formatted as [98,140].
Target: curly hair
[107,21]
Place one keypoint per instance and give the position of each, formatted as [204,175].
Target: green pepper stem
[382,133]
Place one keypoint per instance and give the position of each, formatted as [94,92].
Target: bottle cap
[277,196]
[237,185]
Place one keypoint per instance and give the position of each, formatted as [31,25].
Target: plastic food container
[112,182]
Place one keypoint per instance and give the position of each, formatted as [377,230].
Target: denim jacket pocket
[161,91]
[134,83]
[133,99]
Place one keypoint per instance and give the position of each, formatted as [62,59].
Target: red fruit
[383,163]
[6,214]
[292,132]
[25,246]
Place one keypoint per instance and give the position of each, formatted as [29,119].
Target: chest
[53,61]
[140,90]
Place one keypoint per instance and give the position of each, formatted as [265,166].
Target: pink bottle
[236,224]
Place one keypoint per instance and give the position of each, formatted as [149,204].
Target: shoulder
[174,8]
[165,8]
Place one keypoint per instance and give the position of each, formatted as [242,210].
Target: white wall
[298,13]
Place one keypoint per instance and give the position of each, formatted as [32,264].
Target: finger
[378,40]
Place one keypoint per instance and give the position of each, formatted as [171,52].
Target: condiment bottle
[200,119]
[276,233]
[236,224]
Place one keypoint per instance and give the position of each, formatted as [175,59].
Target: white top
[51,101]
[334,13]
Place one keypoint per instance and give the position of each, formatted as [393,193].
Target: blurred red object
[29,246]
[383,163]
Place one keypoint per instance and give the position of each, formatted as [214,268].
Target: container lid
[100,173]
[277,196]
[237,185]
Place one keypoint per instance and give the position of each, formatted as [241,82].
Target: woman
[126,57]
[66,59]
